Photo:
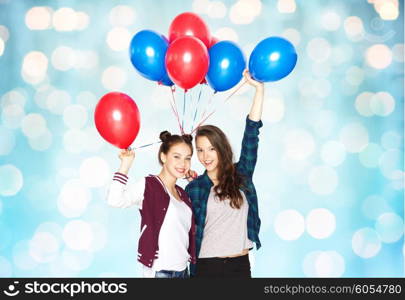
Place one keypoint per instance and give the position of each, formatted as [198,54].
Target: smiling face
[177,161]
[207,154]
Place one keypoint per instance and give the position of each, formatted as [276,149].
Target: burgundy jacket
[154,207]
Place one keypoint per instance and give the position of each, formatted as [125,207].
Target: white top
[225,231]
[173,238]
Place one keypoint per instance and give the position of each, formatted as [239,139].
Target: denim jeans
[172,274]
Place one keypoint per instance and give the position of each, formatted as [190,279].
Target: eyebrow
[180,154]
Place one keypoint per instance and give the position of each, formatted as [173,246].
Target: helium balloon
[272,59]
[189,24]
[117,119]
[187,61]
[147,51]
[227,63]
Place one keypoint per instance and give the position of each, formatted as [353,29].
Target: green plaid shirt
[199,189]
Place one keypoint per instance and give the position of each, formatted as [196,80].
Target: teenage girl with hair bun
[167,239]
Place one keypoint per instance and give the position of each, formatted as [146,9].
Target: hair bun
[188,138]
[165,135]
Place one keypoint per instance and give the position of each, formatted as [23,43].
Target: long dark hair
[230,181]
[169,140]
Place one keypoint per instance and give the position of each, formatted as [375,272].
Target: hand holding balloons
[117,119]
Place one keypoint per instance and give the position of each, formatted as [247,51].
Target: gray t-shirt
[225,231]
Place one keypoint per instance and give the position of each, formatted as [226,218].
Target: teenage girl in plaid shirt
[224,198]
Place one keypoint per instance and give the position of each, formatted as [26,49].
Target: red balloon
[214,40]
[187,61]
[189,24]
[117,119]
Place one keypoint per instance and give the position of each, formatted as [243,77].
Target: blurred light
[42,142]
[354,136]
[320,223]
[122,15]
[33,125]
[319,49]
[333,153]
[391,140]
[4,33]
[100,237]
[370,156]
[299,144]
[216,10]
[74,141]
[161,97]
[119,38]
[75,116]
[321,69]
[378,56]
[114,78]
[15,96]
[7,139]
[245,11]
[2,46]
[63,58]
[331,21]
[341,54]
[366,243]
[292,35]
[38,18]
[324,122]
[21,257]
[390,227]
[323,264]
[374,206]
[387,9]
[201,6]
[73,199]
[354,28]
[323,180]
[87,99]
[390,163]
[12,116]
[289,225]
[274,111]
[34,67]
[95,172]
[354,75]
[43,247]
[65,19]
[294,167]
[382,104]
[94,142]
[322,87]
[78,235]
[362,104]
[77,260]
[57,101]
[82,20]
[226,33]
[6,269]
[398,52]
[86,59]
[286,6]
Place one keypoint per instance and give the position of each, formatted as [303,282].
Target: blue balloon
[272,59]
[147,51]
[166,80]
[227,63]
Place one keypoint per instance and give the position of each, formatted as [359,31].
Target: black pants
[216,267]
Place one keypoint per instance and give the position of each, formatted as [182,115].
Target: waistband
[223,259]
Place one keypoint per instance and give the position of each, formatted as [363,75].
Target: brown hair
[169,140]
[230,181]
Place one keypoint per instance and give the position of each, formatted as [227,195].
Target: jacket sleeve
[122,195]
[250,144]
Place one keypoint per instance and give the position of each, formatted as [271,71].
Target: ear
[163,157]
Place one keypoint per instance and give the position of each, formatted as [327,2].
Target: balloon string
[143,146]
[208,105]
[211,113]
[196,107]
[174,109]
[184,111]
